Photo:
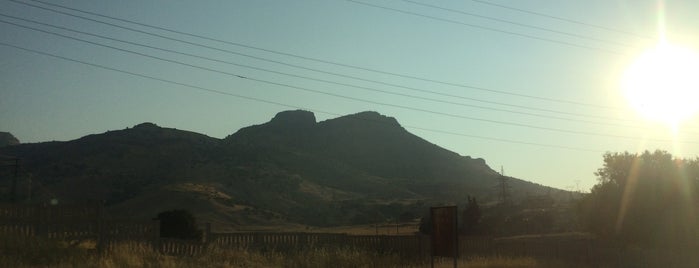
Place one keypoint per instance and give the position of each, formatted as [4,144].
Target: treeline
[650,199]
[526,217]
[647,199]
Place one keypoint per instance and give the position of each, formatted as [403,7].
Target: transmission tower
[504,188]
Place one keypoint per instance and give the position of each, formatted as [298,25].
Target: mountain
[7,139]
[349,170]
[364,146]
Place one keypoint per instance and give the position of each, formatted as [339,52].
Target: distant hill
[6,139]
[353,169]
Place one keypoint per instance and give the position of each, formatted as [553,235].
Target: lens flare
[663,84]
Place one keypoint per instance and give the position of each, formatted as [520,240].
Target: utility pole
[577,186]
[570,192]
[13,186]
[29,188]
[376,222]
[504,188]
[13,193]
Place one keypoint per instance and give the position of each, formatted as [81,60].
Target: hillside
[7,139]
[353,169]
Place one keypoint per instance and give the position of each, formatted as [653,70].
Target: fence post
[40,214]
[257,240]
[101,230]
[156,236]
[207,233]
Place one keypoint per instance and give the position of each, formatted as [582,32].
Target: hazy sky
[532,93]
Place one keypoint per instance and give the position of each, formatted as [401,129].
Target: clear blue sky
[44,98]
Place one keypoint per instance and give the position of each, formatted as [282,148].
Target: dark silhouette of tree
[426,224]
[648,198]
[180,224]
[470,217]
[406,216]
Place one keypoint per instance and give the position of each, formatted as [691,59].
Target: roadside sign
[445,236]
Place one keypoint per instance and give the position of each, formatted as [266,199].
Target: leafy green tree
[180,224]
[648,198]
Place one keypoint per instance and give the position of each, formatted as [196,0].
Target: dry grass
[33,252]
[406,228]
[523,262]
[372,229]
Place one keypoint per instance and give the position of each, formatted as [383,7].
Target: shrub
[180,224]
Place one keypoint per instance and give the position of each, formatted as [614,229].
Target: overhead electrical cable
[221,92]
[517,23]
[487,28]
[405,107]
[315,79]
[332,73]
[505,140]
[484,89]
[606,28]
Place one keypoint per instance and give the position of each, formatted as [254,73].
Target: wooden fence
[81,222]
[74,222]
[87,222]
[407,244]
[178,247]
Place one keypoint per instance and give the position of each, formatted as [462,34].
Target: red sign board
[444,231]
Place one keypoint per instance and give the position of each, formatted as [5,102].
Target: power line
[505,140]
[310,78]
[484,89]
[220,92]
[151,77]
[517,23]
[488,28]
[350,97]
[332,73]
[565,19]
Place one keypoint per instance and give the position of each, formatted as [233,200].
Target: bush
[180,224]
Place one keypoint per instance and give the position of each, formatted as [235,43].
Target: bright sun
[662,84]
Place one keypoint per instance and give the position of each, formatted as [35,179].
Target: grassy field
[33,252]
[405,228]
[373,229]
[37,252]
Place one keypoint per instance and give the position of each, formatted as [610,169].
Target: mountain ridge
[7,139]
[347,170]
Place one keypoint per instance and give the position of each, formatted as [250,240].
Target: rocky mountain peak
[146,125]
[371,116]
[296,118]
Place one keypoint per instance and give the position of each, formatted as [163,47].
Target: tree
[406,216]
[648,198]
[426,224]
[470,217]
[180,224]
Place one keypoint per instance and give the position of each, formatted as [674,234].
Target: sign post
[445,237]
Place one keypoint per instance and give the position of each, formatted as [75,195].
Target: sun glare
[662,84]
